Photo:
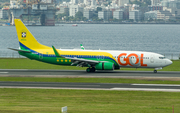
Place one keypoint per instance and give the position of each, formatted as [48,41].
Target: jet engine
[105,66]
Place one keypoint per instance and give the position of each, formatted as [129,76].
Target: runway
[161,75]
[83,73]
[92,86]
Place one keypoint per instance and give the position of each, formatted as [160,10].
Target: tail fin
[82,47]
[26,39]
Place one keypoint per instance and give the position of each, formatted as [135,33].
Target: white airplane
[93,59]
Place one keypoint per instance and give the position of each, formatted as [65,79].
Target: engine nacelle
[105,66]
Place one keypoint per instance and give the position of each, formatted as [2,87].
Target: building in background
[135,15]
[88,14]
[171,4]
[122,2]
[93,3]
[105,15]
[74,1]
[150,15]
[154,8]
[165,15]
[173,11]
[63,9]
[118,14]
[45,9]
[73,9]
[155,2]
[4,13]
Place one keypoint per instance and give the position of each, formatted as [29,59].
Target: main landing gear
[92,69]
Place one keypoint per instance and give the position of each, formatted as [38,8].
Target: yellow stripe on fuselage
[74,52]
[71,52]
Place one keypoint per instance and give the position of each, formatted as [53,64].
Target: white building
[88,14]
[155,2]
[73,9]
[165,15]
[105,15]
[93,3]
[118,14]
[173,10]
[74,1]
[4,13]
[63,9]
[80,1]
[122,2]
[85,2]
[135,15]
[150,15]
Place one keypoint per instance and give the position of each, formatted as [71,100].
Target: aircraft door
[152,59]
[100,57]
[40,56]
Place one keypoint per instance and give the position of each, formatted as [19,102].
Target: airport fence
[172,56]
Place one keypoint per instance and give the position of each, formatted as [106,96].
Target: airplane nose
[169,62]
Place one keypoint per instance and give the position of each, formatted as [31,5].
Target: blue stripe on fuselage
[72,56]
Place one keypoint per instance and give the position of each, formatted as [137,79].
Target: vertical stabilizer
[26,39]
[82,47]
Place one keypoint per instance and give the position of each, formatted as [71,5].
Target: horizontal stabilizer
[26,51]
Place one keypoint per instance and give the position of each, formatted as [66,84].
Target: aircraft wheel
[88,70]
[155,71]
[93,69]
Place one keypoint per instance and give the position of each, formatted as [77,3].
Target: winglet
[56,52]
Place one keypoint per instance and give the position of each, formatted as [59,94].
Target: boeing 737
[93,59]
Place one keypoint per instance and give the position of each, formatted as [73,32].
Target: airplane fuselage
[135,59]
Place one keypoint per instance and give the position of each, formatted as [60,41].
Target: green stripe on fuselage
[51,58]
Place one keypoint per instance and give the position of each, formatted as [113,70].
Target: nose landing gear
[92,69]
[155,70]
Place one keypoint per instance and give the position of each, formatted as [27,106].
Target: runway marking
[122,89]
[79,85]
[59,85]
[4,72]
[147,89]
[154,85]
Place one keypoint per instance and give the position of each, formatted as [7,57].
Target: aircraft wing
[26,51]
[77,61]
[82,62]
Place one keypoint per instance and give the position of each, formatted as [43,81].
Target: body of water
[163,39]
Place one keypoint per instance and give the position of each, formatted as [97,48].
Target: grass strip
[88,80]
[24,63]
[87,101]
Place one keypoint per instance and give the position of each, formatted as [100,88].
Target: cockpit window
[162,57]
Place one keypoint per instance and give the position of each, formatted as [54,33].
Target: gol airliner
[93,59]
